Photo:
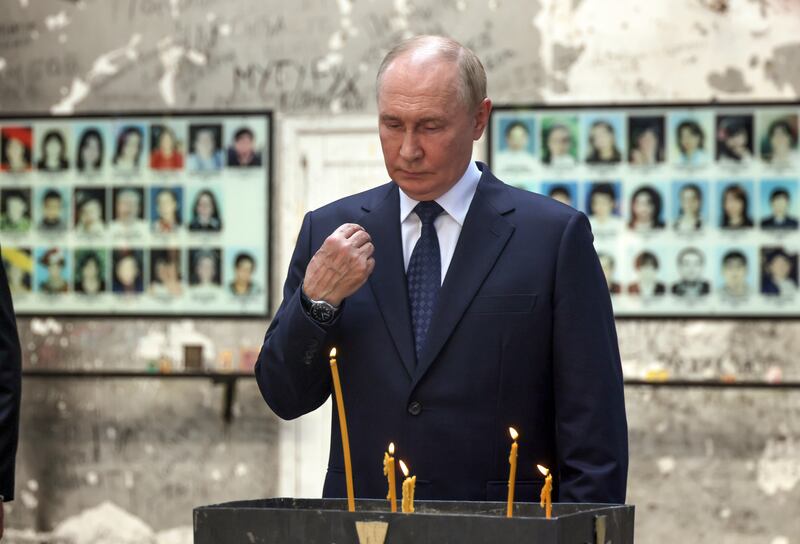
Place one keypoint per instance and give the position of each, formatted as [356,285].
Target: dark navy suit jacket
[10,386]
[523,336]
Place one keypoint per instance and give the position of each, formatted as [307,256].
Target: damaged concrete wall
[706,465]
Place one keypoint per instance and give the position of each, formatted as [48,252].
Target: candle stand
[325,521]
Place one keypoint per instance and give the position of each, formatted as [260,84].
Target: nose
[410,149]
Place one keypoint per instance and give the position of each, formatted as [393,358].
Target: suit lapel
[483,237]
[388,279]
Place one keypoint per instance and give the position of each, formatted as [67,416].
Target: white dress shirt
[455,203]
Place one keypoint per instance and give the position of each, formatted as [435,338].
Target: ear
[481,118]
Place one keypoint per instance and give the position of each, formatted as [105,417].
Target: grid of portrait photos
[694,208]
[136,215]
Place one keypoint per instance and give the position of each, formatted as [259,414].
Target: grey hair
[472,76]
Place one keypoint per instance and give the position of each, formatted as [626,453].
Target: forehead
[423,85]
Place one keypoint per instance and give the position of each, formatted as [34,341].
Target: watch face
[322,312]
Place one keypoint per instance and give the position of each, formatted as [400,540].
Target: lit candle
[388,471]
[408,489]
[546,501]
[348,468]
[512,473]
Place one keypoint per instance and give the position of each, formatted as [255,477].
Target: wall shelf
[227,379]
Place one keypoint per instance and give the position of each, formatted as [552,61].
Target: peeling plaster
[730,81]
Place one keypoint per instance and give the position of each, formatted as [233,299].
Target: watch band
[320,311]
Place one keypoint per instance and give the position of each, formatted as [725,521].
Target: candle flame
[333,353]
[391,448]
[544,470]
[513,432]
[404,468]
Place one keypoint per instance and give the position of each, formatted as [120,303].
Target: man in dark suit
[10,390]
[459,306]
[781,219]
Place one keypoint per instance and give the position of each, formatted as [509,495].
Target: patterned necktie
[424,274]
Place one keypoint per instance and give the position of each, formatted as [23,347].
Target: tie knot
[428,211]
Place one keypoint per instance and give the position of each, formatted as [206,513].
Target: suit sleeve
[591,427]
[292,370]
[10,388]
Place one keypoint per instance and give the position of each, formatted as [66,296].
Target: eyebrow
[424,120]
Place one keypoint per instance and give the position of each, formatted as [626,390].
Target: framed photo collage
[694,208]
[137,214]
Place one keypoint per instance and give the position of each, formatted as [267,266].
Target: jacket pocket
[502,304]
[524,490]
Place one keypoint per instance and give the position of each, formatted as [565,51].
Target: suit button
[415,408]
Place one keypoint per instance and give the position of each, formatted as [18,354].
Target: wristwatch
[320,311]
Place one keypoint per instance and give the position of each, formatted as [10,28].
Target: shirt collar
[455,202]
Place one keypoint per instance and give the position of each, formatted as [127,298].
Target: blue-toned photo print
[603,205]
[779,204]
[647,207]
[516,150]
[691,138]
[563,191]
[691,205]
[736,203]
[604,135]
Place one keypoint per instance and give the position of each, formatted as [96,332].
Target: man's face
[52,209]
[244,144]
[734,272]
[690,266]
[602,205]
[780,205]
[244,271]
[426,130]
